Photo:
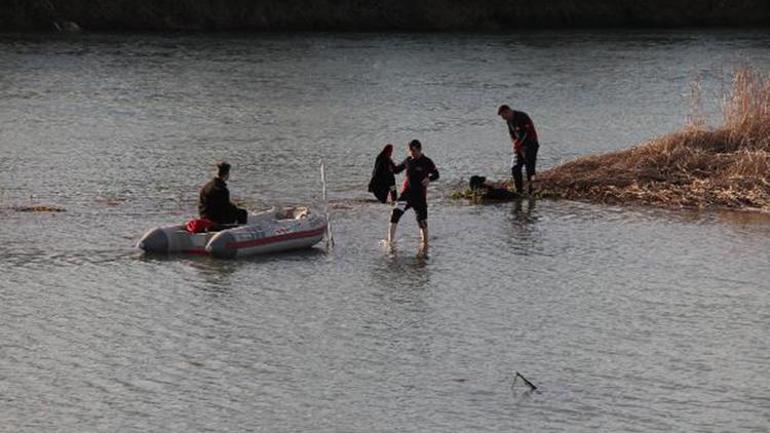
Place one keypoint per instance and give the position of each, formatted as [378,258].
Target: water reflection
[407,269]
[525,235]
[755,221]
[207,272]
[402,310]
[215,274]
[524,215]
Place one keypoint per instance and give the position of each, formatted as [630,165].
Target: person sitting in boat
[420,171]
[215,204]
[383,182]
[488,190]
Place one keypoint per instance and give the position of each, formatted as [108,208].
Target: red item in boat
[199,225]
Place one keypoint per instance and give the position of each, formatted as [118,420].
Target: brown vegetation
[38,208]
[695,167]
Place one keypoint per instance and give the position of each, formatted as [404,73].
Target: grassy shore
[723,167]
[374,15]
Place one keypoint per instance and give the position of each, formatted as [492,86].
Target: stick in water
[525,380]
[329,234]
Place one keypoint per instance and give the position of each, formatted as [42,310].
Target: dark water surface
[627,319]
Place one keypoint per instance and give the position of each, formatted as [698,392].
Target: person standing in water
[525,145]
[214,203]
[420,171]
[383,182]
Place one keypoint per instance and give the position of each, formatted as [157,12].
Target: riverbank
[724,167]
[698,167]
[373,15]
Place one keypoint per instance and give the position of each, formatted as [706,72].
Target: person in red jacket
[525,145]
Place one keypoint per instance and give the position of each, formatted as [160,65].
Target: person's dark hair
[387,150]
[223,168]
[415,144]
[502,109]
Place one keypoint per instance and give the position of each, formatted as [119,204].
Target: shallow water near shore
[627,319]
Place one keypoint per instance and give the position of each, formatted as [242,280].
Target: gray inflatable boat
[265,232]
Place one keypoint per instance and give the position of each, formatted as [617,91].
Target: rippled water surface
[627,319]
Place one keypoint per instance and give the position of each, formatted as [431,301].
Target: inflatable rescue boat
[265,232]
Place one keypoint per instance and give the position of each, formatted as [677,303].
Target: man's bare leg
[424,233]
[392,233]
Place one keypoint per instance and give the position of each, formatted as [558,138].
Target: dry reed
[728,166]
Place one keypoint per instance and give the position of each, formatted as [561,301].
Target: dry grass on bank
[695,167]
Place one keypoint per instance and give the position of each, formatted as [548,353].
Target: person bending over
[420,171]
[525,145]
[214,203]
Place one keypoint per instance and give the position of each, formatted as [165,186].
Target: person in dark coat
[214,203]
[383,182]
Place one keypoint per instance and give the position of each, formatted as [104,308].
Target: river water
[627,319]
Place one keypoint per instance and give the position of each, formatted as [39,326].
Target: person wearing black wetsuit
[383,182]
[420,171]
[525,145]
[214,202]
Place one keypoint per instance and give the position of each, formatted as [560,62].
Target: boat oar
[329,233]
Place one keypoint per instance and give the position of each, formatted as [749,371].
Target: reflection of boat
[265,232]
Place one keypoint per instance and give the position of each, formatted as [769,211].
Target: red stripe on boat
[274,239]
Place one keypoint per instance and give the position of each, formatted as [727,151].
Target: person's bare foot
[422,249]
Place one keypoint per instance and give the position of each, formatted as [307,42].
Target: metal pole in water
[329,234]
